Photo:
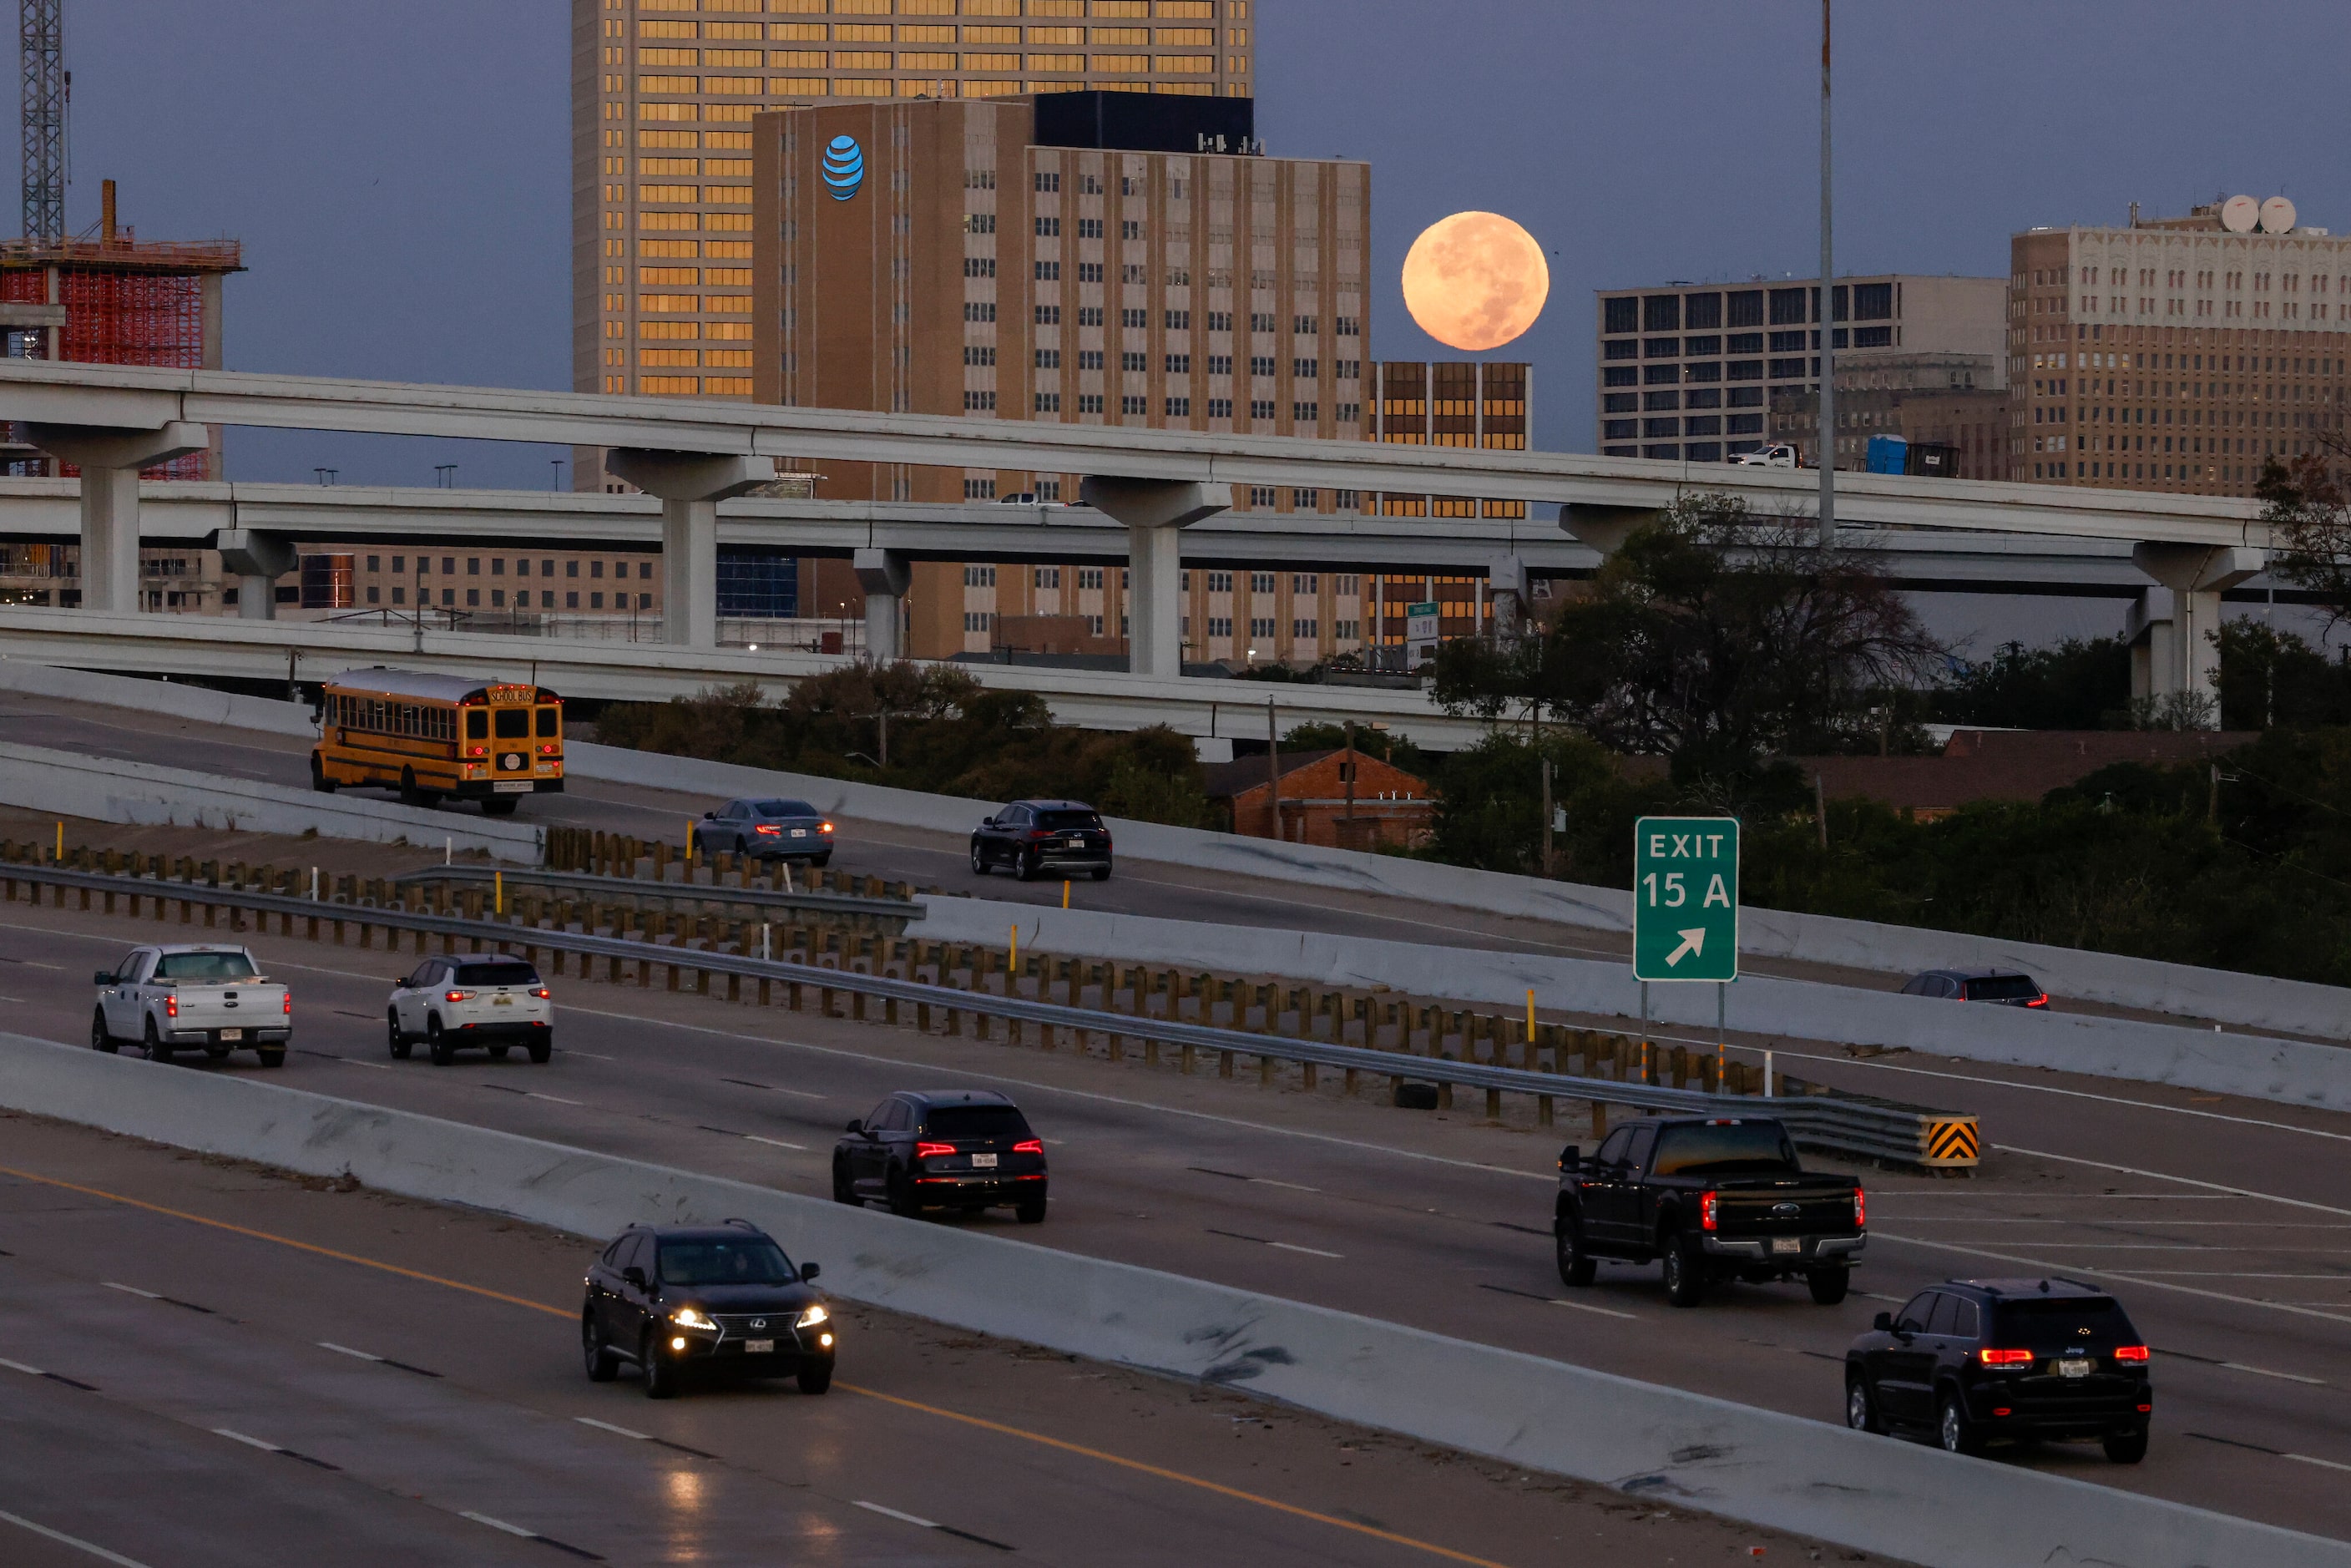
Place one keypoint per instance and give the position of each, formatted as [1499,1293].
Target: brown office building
[1952,400]
[1085,259]
[662,100]
[2177,353]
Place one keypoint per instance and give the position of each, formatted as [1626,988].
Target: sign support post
[1685,912]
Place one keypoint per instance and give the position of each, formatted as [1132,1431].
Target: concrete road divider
[73,785]
[1900,1500]
[2247,1001]
[2293,1071]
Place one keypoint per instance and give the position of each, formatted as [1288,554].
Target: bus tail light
[547,748]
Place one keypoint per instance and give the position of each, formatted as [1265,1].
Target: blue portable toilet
[1888,454]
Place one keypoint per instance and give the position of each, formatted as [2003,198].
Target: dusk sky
[399,175]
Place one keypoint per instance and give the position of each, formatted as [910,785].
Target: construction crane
[41,59]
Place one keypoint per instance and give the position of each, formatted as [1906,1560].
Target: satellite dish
[2240,214]
[2277,215]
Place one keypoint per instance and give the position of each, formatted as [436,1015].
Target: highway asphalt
[204,1363]
[2221,1223]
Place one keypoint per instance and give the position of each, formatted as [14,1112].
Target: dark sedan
[703,1300]
[1034,837]
[965,1149]
[1972,1362]
[771,830]
[2008,988]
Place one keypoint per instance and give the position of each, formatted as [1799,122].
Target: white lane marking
[37,963]
[347,1350]
[1606,1311]
[2239,1274]
[1309,1251]
[869,1060]
[2294,1225]
[18,1000]
[778,1143]
[591,1055]
[2307,1460]
[2184,1181]
[535,1094]
[20,1366]
[499,1524]
[75,1542]
[130,1290]
[237,1437]
[1294,1187]
[607,1427]
[914,1519]
[2265,1371]
[2141,1278]
[1896,1194]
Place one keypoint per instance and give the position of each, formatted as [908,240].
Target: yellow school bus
[431,735]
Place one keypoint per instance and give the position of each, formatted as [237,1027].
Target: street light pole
[1826,441]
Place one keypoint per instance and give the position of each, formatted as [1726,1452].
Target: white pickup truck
[200,996]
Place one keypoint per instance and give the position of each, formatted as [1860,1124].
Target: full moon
[1475,280]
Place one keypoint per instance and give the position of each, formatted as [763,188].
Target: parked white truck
[207,998]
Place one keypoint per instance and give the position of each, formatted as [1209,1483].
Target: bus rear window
[550,722]
[477,725]
[514,723]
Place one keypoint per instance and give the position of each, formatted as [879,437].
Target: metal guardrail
[1851,1126]
[651,887]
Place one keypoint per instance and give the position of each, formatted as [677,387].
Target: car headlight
[689,1318]
[812,1317]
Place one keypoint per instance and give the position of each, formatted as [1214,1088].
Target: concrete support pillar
[256,561]
[1153,510]
[2175,628]
[110,460]
[883,575]
[690,484]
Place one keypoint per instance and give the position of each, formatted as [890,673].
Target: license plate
[1073,843]
[512,787]
[758,1347]
[983,1162]
[2074,1369]
[1787,1244]
[232,1034]
[800,832]
[501,1001]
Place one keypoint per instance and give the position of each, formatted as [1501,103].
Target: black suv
[2008,988]
[1976,1361]
[719,1299]
[1034,837]
[771,830]
[953,1148]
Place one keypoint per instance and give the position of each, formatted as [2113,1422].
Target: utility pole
[1273,770]
[1827,441]
[41,68]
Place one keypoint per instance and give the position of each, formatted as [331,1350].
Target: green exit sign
[1686,898]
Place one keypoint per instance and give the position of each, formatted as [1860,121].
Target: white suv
[478,1000]
[1777,455]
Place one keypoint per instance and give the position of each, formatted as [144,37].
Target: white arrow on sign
[1693,943]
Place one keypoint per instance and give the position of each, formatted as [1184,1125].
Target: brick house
[1390,806]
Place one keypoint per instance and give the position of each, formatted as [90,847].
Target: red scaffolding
[125,304]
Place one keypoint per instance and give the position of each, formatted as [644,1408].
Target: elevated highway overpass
[1147,484]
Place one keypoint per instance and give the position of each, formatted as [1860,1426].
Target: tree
[1713,630]
[2077,684]
[2308,512]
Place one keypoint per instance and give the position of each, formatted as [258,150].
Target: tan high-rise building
[2175,354]
[1058,259]
[662,95]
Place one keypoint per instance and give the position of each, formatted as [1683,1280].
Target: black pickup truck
[1716,1198]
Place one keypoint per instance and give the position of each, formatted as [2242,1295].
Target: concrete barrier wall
[73,785]
[2289,1070]
[2248,1001]
[1900,1500]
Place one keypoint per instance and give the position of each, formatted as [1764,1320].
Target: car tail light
[542,993]
[1709,1207]
[2040,1001]
[171,1007]
[2145,1408]
[457,995]
[1860,1208]
[2134,1352]
[2001,1410]
[1036,833]
[925,1151]
[1990,1357]
[1029,1147]
[288,1008]
[769,830]
[824,827]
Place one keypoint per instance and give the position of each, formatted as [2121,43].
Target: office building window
[1261,408]
[1262,495]
[979,489]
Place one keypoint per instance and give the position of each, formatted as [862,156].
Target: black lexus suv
[1972,1361]
[967,1149]
[718,1301]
